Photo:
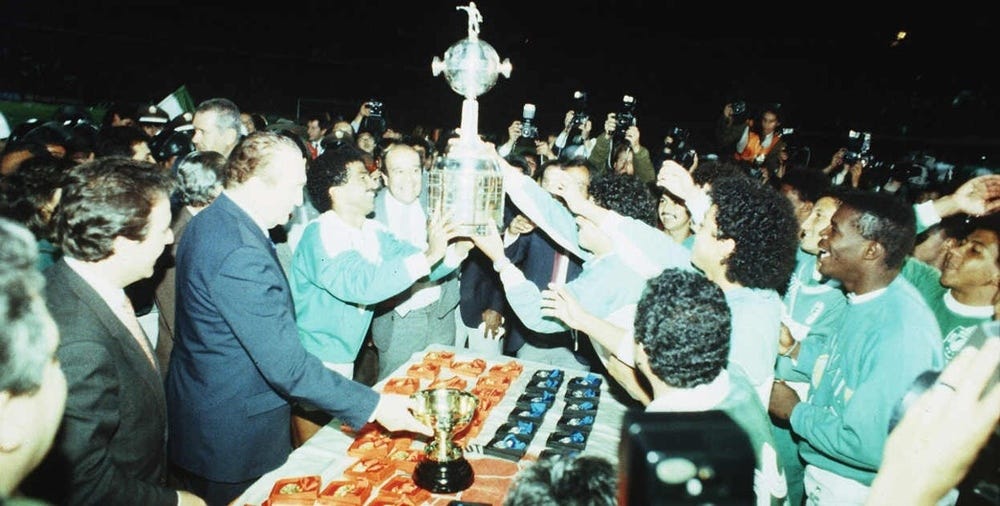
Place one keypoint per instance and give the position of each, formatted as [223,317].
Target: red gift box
[405,459]
[440,358]
[301,490]
[472,368]
[403,487]
[344,492]
[405,386]
[452,382]
[374,470]
[511,368]
[424,370]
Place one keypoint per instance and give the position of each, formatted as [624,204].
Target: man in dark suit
[543,262]
[237,359]
[199,182]
[113,222]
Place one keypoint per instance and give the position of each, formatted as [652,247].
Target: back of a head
[708,171]
[809,184]
[683,323]
[23,317]
[26,196]
[886,220]
[763,226]
[118,141]
[200,177]
[584,480]
[253,153]
[626,195]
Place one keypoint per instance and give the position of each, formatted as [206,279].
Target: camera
[374,122]
[739,109]
[528,128]
[625,117]
[859,145]
[678,148]
[374,108]
[580,115]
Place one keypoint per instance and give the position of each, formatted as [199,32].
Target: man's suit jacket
[479,285]
[237,359]
[165,290]
[534,254]
[449,284]
[111,447]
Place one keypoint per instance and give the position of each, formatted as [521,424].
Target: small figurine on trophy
[467,184]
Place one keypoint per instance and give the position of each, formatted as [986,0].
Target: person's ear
[874,251]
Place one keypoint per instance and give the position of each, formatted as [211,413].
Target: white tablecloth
[325,454]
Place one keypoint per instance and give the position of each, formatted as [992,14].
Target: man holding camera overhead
[620,142]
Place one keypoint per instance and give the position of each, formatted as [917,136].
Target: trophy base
[443,477]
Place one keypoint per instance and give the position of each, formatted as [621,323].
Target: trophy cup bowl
[447,411]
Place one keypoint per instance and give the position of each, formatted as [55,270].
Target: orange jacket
[754,148]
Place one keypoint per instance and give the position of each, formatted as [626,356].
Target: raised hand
[674,178]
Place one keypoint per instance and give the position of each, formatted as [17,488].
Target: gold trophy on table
[447,411]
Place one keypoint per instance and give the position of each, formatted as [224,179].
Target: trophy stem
[442,446]
[470,119]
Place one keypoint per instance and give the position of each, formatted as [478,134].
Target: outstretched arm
[938,439]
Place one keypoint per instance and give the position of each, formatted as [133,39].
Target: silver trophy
[467,183]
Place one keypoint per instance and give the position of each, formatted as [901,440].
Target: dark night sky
[830,65]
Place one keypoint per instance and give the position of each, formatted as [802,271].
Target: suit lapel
[254,230]
[116,330]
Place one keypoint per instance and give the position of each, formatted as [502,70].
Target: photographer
[569,144]
[632,158]
[518,144]
[730,126]
[370,118]
[761,142]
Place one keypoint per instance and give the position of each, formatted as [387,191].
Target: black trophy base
[443,477]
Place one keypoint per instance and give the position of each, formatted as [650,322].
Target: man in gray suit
[425,313]
[112,224]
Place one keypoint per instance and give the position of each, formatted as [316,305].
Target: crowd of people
[186,300]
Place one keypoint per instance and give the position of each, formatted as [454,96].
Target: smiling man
[871,360]
[346,263]
[424,313]
[112,224]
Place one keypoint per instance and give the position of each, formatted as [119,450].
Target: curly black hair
[626,195]
[708,171]
[886,220]
[810,184]
[329,170]
[683,322]
[584,480]
[762,224]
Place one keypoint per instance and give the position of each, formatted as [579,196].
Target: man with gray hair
[237,361]
[217,126]
[32,385]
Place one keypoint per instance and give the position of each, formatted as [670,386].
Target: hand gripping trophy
[467,184]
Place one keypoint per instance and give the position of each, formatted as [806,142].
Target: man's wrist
[501,263]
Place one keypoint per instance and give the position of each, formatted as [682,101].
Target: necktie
[132,323]
[557,262]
